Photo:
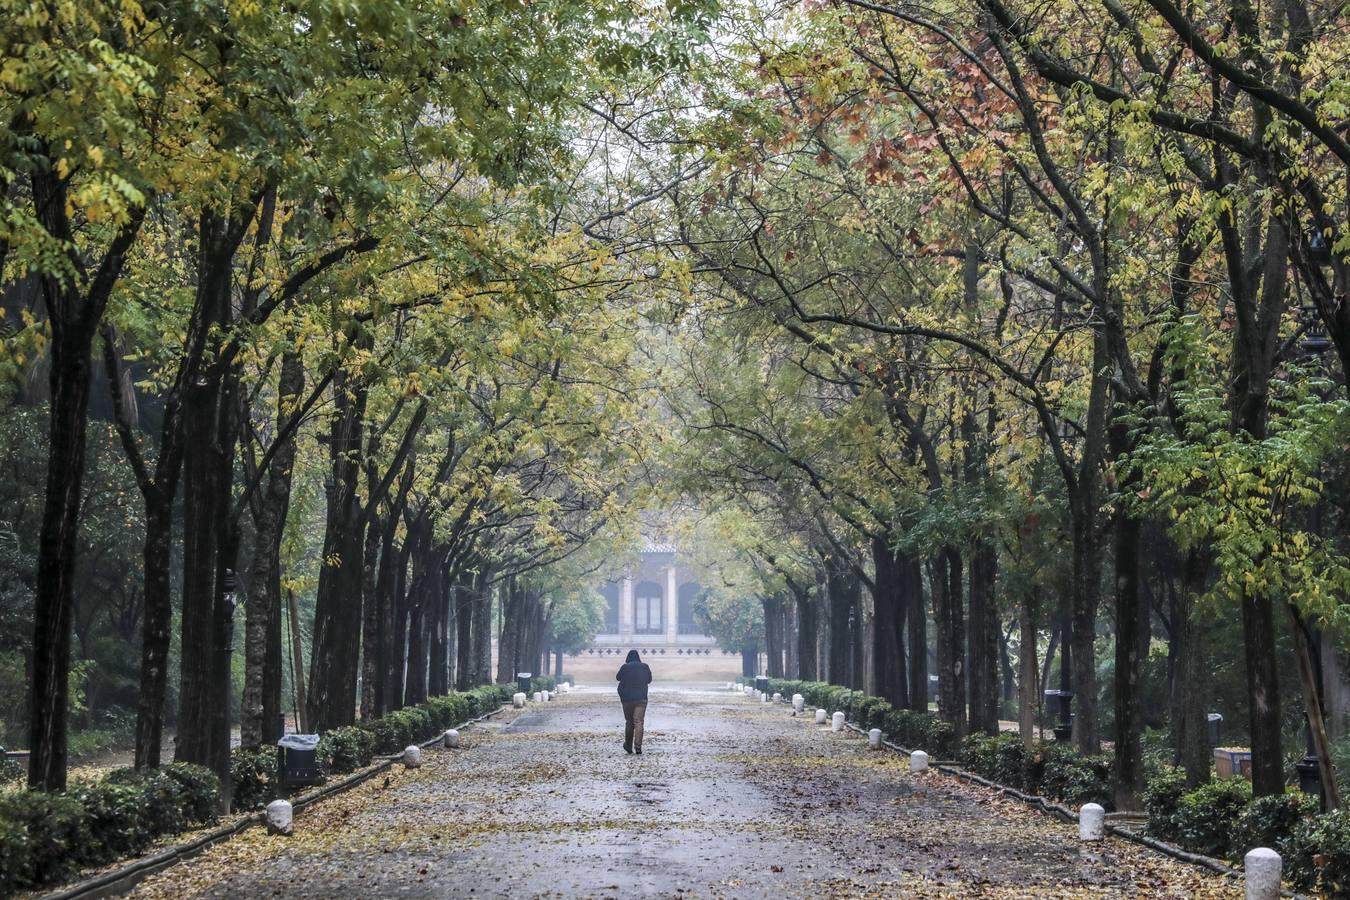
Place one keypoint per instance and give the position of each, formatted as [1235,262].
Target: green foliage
[1163,791]
[1206,815]
[1317,854]
[44,836]
[11,771]
[200,790]
[345,749]
[1269,820]
[1000,758]
[116,818]
[253,777]
[908,728]
[543,683]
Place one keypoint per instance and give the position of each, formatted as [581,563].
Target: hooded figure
[633,677]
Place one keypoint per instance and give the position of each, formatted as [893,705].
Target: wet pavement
[731,798]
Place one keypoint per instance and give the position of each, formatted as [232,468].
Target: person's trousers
[633,716]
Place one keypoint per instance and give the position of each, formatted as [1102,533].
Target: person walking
[633,677]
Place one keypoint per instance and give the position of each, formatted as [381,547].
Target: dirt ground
[731,798]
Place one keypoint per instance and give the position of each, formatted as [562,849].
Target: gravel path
[731,799]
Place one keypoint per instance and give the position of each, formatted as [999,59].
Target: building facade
[651,609]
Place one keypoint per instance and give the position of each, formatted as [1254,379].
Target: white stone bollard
[837,722]
[412,756]
[279,817]
[452,739]
[548,695]
[1091,822]
[763,698]
[918,761]
[746,689]
[538,696]
[777,698]
[874,738]
[820,715]
[1262,867]
[798,701]
[518,700]
[565,688]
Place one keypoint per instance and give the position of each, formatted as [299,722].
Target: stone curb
[952,769]
[121,880]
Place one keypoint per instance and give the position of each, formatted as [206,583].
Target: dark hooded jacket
[633,678]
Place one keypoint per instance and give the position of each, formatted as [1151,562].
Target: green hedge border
[45,838]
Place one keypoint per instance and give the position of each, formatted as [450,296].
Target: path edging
[952,769]
[123,879]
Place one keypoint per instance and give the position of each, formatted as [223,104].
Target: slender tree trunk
[464,613]
[416,690]
[983,640]
[888,652]
[372,615]
[806,638]
[1028,692]
[156,630]
[1129,760]
[298,663]
[337,608]
[262,620]
[438,684]
[916,612]
[482,629]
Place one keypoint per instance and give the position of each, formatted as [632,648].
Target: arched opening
[648,608]
[611,594]
[688,593]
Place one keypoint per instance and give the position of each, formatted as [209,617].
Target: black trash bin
[762,683]
[1214,724]
[523,683]
[297,760]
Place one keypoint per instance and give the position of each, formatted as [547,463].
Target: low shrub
[1317,854]
[1001,758]
[345,750]
[1269,820]
[1059,771]
[11,771]
[116,819]
[200,791]
[253,777]
[45,836]
[543,683]
[1206,815]
[1162,802]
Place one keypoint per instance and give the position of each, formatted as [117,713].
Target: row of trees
[1027,325]
[321,267]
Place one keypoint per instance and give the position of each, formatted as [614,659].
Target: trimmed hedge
[912,728]
[1050,770]
[45,837]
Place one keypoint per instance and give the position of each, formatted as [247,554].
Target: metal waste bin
[297,760]
[1214,726]
[523,683]
[762,683]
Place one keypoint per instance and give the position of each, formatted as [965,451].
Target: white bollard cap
[518,700]
[837,722]
[1262,867]
[1091,822]
[798,702]
[763,698]
[279,817]
[820,715]
[918,761]
[777,697]
[452,739]
[538,696]
[874,738]
[548,695]
[412,756]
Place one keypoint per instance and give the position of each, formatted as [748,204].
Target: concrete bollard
[548,695]
[538,697]
[798,701]
[874,738]
[746,689]
[1262,867]
[518,700]
[452,739]
[820,715]
[837,722]
[1091,822]
[918,761]
[777,698]
[763,698]
[412,756]
[279,817]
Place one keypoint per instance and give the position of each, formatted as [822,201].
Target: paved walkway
[731,799]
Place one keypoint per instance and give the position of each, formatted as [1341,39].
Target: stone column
[626,610]
[672,607]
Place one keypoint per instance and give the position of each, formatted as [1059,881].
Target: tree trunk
[1129,761]
[482,629]
[983,640]
[438,684]
[262,614]
[773,634]
[1028,688]
[806,638]
[916,613]
[888,651]
[337,608]
[464,607]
